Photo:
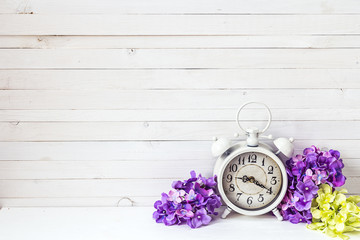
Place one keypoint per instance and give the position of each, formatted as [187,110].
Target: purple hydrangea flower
[203,191]
[296,218]
[308,189]
[308,175]
[185,212]
[170,219]
[210,182]
[289,200]
[298,169]
[212,204]
[297,158]
[305,173]
[338,179]
[164,197]
[186,185]
[163,210]
[334,153]
[200,218]
[291,179]
[307,215]
[160,212]
[191,196]
[319,177]
[176,196]
[191,201]
[302,204]
[311,160]
[195,198]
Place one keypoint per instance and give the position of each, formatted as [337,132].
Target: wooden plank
[176,99]
[103,187]
[176,115]
[180,7]
[178,79]
[139,131]
[18,24]
[31,170]
[113,42]
[84,188]
[115,201]
[178,58]
[141,150]
[52,170]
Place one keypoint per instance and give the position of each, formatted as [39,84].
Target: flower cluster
[190,201]
[306,172]
[334,214]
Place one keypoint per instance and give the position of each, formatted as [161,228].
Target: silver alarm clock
[251,176]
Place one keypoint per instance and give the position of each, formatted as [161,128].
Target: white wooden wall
[102,100]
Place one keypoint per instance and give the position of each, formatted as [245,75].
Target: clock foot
[277,214]
[226,212]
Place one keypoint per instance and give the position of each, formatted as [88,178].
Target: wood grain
[141,150]
[81,202]
[178,58]
[176,99]
[187,42]
[94,24]
[145,131]
[169,115]
[180,7]
[177,79]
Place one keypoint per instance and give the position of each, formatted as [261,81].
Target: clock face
[252,181]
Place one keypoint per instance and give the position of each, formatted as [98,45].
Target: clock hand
[244,178]
[257,183]
[252,180]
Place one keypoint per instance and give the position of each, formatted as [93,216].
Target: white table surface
[137,223]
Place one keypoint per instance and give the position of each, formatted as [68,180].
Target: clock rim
[230,154]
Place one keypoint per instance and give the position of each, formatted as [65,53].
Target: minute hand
[257,183]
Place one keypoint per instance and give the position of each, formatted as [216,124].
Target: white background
[102,100]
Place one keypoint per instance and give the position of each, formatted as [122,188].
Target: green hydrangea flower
[333,213]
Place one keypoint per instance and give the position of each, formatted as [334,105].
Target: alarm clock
[251,176]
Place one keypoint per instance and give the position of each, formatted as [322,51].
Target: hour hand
[243,178]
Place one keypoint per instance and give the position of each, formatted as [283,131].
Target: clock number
[238,195]
[273,181]
[233,168]
[242,161]
[269,191]
[249,200]
[252,158]
[232,188]
[229,178]
[261,198]
[270,169]
[263,162]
